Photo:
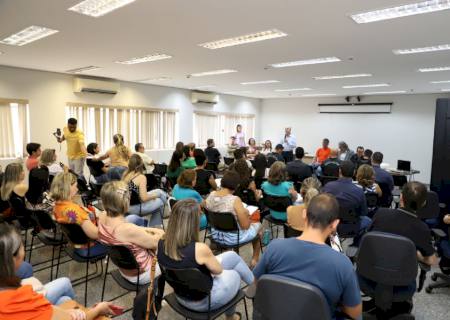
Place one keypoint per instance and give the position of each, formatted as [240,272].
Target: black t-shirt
[202,186]
[95,167]
[298,170]
[404,223]
[212,154]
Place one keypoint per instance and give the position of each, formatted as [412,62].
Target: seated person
[330,165]
[189,161]
[241,154]
[114,229]
[323,153]
[13,187]
[404,222]
[232,146]
[366,158]
[319,265]
[365,178]
[267,148]
[175,168]
[212,154]
[358,156]
[63,191]
[381,175]
[48,159]
[184,189]
[298,170]
[205,179]
[225,270]
[295,216]
[276,185]
[348,194]
[149,164]
[21,301]
[247,183]
[345,154]
[151,202]
[278,154]
[34,152]
[97,168]
[223,200]
[252,149]
[119,155]
[261,170]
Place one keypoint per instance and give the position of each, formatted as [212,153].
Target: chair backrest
[211,166]
[160,169]
[190,283]
[152,181]
[279,297]
[431,209]
[387,259]
[277,203]
[290,232]
[349,222]
[134,197]
[38,182]
[222,221]
[386,198]
[331,169]
[371,199]
[123,258]
[74,233]
[325,179]
[21,213]
[247,196]
[228,161]
[44,220]
[270,160]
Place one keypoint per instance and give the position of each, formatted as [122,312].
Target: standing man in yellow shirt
[76,150]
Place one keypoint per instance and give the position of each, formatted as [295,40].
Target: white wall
[49,92]
[406,133]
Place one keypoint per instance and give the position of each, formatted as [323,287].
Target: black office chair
[372,203]
[275,203]
[444,264]
[386,265]
[77,237]
[430,212]
[386,198]
[192,284]
[123,258]
[38,183]
[290,232]
[225,222]
[349,224]
[152,181]
[279,297]
[160,169]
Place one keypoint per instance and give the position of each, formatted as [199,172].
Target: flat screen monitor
[404,165]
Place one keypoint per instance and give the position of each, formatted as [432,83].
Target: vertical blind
[156,129]
[14,128]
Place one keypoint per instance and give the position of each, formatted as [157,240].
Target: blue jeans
[59,291]
[95,250]
[102,179]
[135,219]
[154,207]
[115,173]
[225,286]
[25,270]
[364,223]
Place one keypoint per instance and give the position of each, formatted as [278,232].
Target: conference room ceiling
[314,28]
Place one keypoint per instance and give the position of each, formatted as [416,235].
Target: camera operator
[76,150]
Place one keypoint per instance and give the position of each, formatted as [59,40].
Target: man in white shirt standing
[289,143]
[149,164]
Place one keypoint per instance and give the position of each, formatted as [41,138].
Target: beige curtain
[14,131]
[7,149]
[150,129]
[169,130]
[229,123]
[206,126]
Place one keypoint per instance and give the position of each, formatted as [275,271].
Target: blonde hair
[11,178]
[277,173]
[60,188]
[47,157]
[183,228]
[310,189]
[135,165]
[120,147]
[115,197]
[365,176]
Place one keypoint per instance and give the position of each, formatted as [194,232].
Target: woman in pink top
[115,229]
[240,136]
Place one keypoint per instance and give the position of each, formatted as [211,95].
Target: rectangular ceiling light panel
[147,58]
[98,8]
[248,38]
[212,73]
[305,62]
[28,35]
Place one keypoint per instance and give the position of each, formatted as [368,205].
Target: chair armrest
[250,291]
[438,233]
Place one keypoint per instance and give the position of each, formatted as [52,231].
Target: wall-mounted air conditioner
[204,97]
[95,86]
[384,107]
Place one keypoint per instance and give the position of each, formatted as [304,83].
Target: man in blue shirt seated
[308,259]
[381,175]
[348,194]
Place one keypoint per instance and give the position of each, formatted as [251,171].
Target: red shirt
[24,304]
[322,154]
[31,163]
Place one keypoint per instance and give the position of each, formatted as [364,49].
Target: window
[221,127]
[156,129]
[14,128]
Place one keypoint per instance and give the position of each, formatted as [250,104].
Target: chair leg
[87,276]
[245,307]
[31,247]
[52,263]
[59,261]
[104,279]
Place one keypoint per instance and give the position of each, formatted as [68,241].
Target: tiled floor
[435,306]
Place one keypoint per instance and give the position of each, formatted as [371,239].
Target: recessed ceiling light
[442,47]
[358,75]
[237,92]
[98,8]
[212,73]
[155,79]
[259,82]
[374,85]
[445,90]
[305,62]
[437,82]
[209,86]
[401,11]
[147,58]
[386,92]
[83,69]
[248,38]
[318,95]
[294,89]
[434,69]
[28,35]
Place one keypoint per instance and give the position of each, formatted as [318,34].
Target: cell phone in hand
[117,310]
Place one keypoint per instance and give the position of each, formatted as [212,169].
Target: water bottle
[266,237]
